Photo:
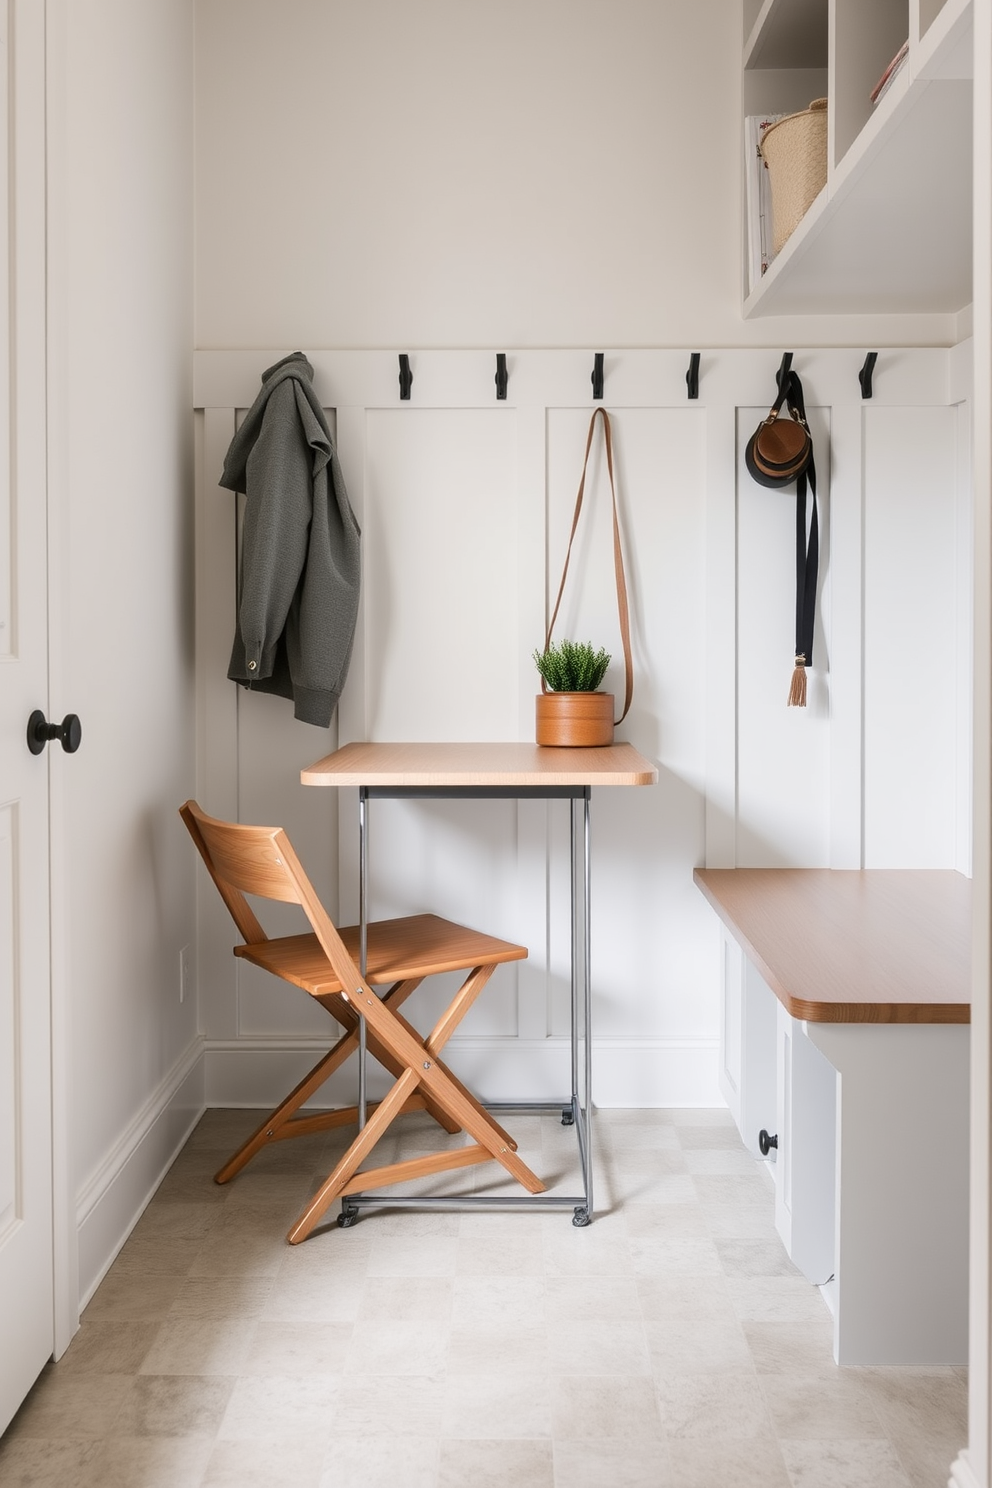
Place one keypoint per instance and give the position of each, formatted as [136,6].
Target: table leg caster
[580,1218]
[567,1116]
[347,1216]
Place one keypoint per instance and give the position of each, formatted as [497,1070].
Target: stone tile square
[297,1348]
[305,1299]
[407,1299]
[500,1255]
[754,1258]
[821,1408]
[696,1116]
[792,1348]
[281,1408]
[259,1464]
[844,1464]
[713,1345]
[205,1297]
[151,1461]
[595,1463]
[495,1464]
[712,1407]
[729,1161]
[393,1348]
[127,1296]
[413,1255]
[377,1405]
[383,1461]
[199,1346]
[777,1299]
[108,1348]
[710,1136]
[499,1348]
[503,1300]
[598,1347]
[682,1255]
[497,1406]
[576,1299]
[47,1463]
[174,1405]
[597,1250]
[682,1216]
[82,1407]
[597,1406]
[666,1297]
[925,1400]
[755,1462]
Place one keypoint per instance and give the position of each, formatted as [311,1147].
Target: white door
[26,1284]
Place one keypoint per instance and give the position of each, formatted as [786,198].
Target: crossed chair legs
[423,1083]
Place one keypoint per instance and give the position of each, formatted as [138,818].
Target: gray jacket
[300,552]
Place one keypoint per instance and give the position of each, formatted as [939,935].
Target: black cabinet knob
[40,732]
[766,1143]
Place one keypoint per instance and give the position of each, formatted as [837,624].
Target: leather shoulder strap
[618,569]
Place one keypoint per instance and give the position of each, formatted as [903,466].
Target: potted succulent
[571,710]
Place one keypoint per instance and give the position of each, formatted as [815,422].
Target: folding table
[514,771]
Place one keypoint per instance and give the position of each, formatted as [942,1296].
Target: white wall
[121,326]
[465,504]
[461,173]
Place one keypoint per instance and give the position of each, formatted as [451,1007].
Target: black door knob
[69,732]
[766,1142]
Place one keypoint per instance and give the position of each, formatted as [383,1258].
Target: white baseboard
[627,1072]
[114,1196]
[962,1473]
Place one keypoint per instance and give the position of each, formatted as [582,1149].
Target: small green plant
[572,666]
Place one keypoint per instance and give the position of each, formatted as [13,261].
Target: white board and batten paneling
[465,504]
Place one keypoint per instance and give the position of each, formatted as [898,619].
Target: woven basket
[795,151]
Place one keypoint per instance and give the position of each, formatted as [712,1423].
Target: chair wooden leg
[281,1124]
[370,1134]
[436,1081]
[279,1118]
[476,1104]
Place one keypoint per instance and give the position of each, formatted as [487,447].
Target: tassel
[797,692]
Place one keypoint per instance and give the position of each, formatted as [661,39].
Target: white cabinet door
[26,1288]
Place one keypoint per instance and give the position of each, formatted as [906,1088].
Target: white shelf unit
[891,230]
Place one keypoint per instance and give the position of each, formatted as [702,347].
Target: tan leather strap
[617,559]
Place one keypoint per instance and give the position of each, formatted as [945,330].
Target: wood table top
[466,765]
[853,946]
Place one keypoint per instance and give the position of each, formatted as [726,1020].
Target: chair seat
[398,950]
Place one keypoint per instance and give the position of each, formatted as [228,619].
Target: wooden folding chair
[399,954]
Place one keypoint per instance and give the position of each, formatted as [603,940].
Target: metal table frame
[576,1109]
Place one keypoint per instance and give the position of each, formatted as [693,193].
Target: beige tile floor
[669,1345]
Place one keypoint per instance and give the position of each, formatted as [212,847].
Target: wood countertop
[466,765]
[853,946]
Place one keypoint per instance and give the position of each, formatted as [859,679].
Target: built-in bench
[844,1036]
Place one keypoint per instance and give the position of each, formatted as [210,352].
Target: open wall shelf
[891,230]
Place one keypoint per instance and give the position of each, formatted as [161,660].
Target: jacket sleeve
[277,522]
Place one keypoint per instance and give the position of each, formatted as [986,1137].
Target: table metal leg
[363,948]
[579,1110]
[582,1006]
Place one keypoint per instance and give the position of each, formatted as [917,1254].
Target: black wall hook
[406,377]
[501,375]
[784,369]
[692,376]
[865,375]
[597,375]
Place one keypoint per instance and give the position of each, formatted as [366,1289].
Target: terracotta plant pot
[576,719]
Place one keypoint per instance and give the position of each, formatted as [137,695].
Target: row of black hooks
[597,379]
[864,376]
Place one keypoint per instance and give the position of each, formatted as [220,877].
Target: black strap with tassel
[807,557]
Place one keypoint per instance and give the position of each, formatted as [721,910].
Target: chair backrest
[261,861]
